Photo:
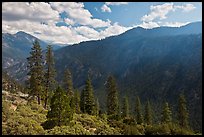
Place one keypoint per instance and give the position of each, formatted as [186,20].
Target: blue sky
[71,22]
[131,13]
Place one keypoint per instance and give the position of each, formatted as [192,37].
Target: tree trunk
[38,99]
[46,101]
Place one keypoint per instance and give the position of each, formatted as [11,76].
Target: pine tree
[166,114]
[138,109]
[112,97]
[49,75]
[60,113]
[35,65]
[82,101]
[182,112]
[148,114]
[125,108]
[68,83]
[97,107]
[69,87]
[89,102]
[77,101]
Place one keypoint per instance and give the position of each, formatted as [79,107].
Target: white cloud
[78,14]
[49,33]
[115,29]
[158,12]
[105,8]
[42,18]
[36,12]
[149,25]
[92,34]
[175,24]
[116,3]
[69,21]
[62,34]
[88,32]
[186,8]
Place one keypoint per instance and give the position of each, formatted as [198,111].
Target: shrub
[129,121]
[18,125]
[131,130]
[68,130]
[160,129]
[114,117]
[23,121]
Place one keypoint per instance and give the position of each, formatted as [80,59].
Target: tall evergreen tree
[68,83]
[148,114]
[138,109]
[97,106]
[166,114]
[89,102]
[125,108]
[112,97]
[182,112]
[36,73]
[69,87]
[82,101]
[60,113]
[49,75]
[77,101]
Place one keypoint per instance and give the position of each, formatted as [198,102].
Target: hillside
[23,117]
[155,67]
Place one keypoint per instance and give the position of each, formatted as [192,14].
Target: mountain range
[16,47]
[156,64]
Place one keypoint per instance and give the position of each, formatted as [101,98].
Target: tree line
[63,101]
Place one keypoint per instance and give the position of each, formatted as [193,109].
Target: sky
[72,22]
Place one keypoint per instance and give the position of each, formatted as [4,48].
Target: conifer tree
[69,87]
[125,108]
[60,113]
[89,102]
[82,101]
[36,73]
[68,83]
[182,112]
[77,101]
[138,109]
[49,75]
[112,97]
[166,114]
[97,107]
[148,114]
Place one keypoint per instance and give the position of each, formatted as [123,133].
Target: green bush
[107,130]
[114,117]
[19,125]
[129,121]
[177,130]
[132,130]
[5,110]
[104,117]
[23,121]
[68,130]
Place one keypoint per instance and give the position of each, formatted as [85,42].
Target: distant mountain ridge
[16,47]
